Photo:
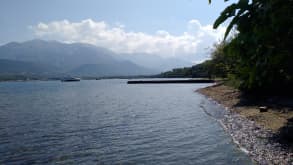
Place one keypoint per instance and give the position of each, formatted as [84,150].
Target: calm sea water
[110,122]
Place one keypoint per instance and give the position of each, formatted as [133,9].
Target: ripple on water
[110,122]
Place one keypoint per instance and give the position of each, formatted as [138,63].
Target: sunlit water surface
[110,122]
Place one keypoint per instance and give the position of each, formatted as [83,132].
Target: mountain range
[39,57]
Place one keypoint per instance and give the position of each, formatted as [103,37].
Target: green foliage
[221,63]
[177,73]
[260,55]
[238,11]
[208,69]
[202,70]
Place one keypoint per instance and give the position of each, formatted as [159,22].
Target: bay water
[111,122]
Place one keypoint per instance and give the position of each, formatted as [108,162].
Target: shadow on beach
[285,135]
[277,104]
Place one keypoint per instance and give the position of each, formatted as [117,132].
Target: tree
[221,63]
[262,50]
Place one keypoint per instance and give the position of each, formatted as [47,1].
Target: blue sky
[138,20]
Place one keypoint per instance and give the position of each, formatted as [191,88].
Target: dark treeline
[258,57]
[217,67]
[177,73]
[203,70]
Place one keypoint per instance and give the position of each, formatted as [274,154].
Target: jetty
[170,81]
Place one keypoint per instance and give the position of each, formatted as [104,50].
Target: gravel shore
[252,137]
[255,141]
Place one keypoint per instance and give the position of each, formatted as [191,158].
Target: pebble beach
[250,136]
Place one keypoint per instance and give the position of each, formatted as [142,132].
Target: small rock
[263,109]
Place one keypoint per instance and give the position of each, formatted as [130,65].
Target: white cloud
[193,42]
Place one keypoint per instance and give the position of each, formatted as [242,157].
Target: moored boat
[70,79]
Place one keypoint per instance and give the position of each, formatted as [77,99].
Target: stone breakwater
[255,140]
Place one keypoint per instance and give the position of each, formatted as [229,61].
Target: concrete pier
[170,81]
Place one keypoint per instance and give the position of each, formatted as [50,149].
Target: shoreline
[251,133]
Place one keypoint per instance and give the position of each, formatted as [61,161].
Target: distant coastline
[22,78]
[262,135]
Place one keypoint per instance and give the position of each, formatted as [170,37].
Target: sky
[168,28]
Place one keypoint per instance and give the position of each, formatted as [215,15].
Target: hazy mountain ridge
[69,59]
[154,61]
[124,68]
[79,59]
[60,55]
[21,67]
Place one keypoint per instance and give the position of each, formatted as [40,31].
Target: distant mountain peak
[75,58]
